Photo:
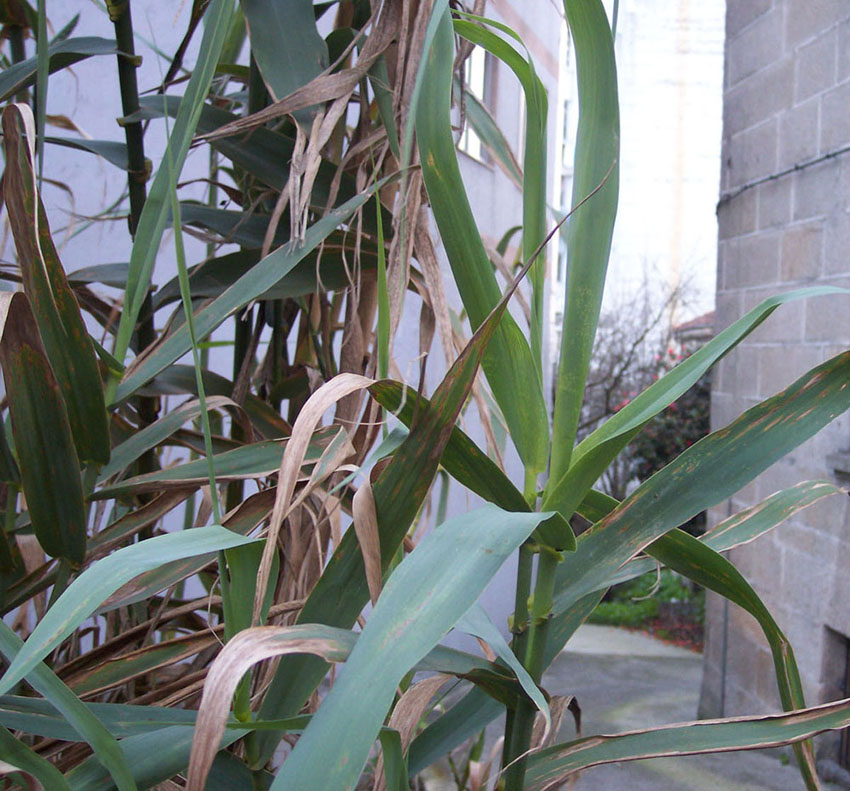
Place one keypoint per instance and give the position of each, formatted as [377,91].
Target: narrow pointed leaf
[696,480]
[593,455]
[551,766]
[477,623]
[534,159]
[54,305]
[285,43]
[462,458]
[155,213]
[49,465]
[591,227]
[73,712]
[692,558]
[342,591]
[16,755]
[103,578]
[62,54]
[493,138]
[508,363]
[112,151]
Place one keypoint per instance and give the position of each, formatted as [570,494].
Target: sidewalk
[626,681]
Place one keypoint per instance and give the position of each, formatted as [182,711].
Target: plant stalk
[522,723]
[137,176]
[519,629]
[18,52]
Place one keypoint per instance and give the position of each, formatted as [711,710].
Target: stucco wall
[784,223]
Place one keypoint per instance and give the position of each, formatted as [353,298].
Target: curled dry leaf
[241,653]
[366,529]
[558,707]
[293,458]
[406,716]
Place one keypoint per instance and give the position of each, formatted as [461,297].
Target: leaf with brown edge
[708,472]
[54,305]
[550,767]
[49,466]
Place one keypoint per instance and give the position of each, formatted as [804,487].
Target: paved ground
[626,681]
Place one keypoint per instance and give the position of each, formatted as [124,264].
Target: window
[478,77]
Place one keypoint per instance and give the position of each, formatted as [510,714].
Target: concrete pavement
[627,681]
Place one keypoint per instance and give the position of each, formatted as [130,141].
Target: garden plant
[238,651]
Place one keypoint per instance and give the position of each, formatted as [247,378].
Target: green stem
[541,616]
[7,560]
[18,52]
[519,628]
[137,176]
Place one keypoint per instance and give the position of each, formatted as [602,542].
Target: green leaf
[591,226]
[325,272]
[54,306]
[180,380]
[266,155]
[508,364]
[741,528]
[552,765]
[150,436]
[593,455]
[155,213]
[43,718]
[491,135]
[114,275]
[154,757]
[16,754]
[62,54]
[250,286]
[103,578]
[395,766]
[534,179]
[462,458]
[250,461]
[341,591]
[73,713]
[112,151]
[692,558]
[462,721]
[49,466]
[423,598]
[708,472]
[477,623]
[285,43]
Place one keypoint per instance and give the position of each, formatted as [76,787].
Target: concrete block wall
[783,224]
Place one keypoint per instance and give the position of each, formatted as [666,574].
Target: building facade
[784,223]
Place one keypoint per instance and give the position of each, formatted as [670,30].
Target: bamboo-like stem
[519,629]
[541,616]
[137,175]
[18,51]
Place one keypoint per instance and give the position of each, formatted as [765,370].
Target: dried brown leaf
[406,716]
[236,658]
[366,529]
[292,461]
